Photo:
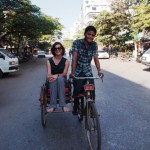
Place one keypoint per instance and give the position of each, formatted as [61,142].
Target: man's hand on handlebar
[72,75]
[100,74]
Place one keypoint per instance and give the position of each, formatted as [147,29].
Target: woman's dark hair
[53,48]
[90,28]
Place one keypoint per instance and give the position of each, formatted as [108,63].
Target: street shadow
[11,75]
[123,105]
[146,69]
[124,109]
[65,129]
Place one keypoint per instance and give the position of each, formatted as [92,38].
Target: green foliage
[67,43]
[141,20]
[21,20]
[44,45]
[103,24]
[109,27]
[128,17]
[80,34]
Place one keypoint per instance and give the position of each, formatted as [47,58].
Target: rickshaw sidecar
[45,98]
[45,92]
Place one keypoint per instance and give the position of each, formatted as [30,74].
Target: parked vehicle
[103,54]
[8,62]
[139,57]
[146,58]
[41,54]
[25,56]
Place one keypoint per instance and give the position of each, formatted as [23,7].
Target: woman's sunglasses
[58,48]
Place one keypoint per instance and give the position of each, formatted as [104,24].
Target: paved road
[122,101]
[124,105]
[20,124]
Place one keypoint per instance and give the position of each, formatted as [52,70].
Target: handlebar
[83,78]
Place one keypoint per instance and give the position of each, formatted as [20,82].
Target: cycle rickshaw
[86,110]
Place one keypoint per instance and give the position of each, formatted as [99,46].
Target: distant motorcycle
[24,57]
[139,56]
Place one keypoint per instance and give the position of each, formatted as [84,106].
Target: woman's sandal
[65,109]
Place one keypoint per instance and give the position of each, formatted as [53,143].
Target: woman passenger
[57,68]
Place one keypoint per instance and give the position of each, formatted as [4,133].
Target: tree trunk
[135,51]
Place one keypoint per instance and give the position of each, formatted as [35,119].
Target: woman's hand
[52,78]
[55,76]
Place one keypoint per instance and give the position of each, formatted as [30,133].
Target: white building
[76,27]
[65,35]
[73,30]
[91,8]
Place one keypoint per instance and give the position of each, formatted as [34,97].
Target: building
[77,26]
[66,35]
[73,30]
[91,8]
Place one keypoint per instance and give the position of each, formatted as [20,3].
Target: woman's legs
[53,94]
[58,87]
[61,93]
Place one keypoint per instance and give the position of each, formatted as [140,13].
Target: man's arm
[74,63]
[97,64]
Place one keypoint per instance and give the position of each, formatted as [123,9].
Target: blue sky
[67,10]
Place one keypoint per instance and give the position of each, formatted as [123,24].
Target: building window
[93,8]
[86,2]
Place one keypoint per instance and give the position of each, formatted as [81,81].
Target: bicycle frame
[88,87]
[92,124]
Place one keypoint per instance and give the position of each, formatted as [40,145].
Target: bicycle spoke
[93,129]
[80,109]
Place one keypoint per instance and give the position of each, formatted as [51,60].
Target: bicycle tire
[93,127]
[81,109]
[43,115]
[1,73]
[43,106]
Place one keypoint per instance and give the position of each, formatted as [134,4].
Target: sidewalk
[130,70]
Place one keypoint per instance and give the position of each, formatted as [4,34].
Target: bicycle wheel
[81,109]
[43,115]
[93,127]
[43,106]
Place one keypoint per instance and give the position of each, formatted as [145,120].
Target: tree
[110,26]
[80,34]
[115,27]
[141,20]
[25,21]
[67,43]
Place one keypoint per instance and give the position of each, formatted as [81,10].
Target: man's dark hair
[90,28]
